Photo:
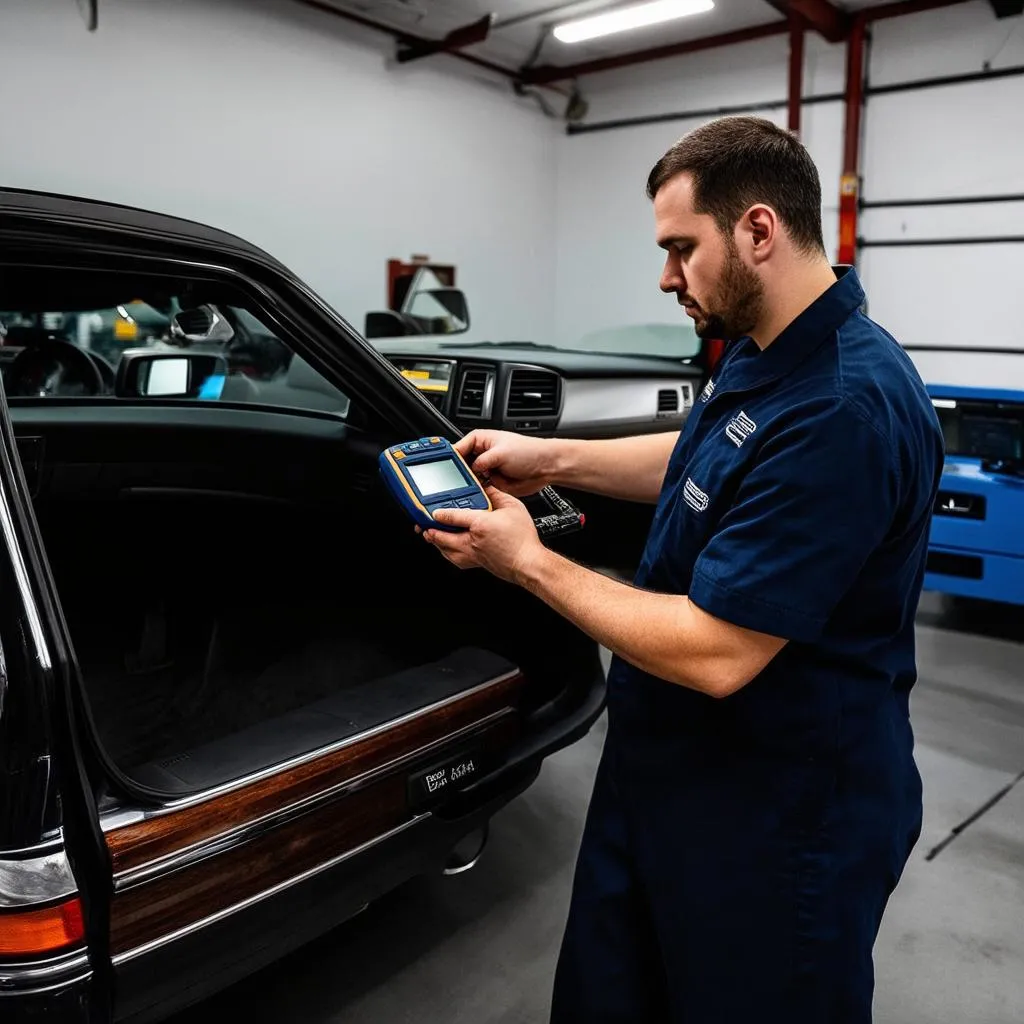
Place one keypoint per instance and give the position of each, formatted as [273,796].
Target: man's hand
[515,464]
[503,541]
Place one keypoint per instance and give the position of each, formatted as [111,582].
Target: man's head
[737,202]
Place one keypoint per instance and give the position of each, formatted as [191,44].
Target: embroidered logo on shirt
[694,496]
[709,390]
[739,428]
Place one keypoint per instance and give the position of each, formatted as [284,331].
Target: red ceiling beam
[551,73]
[828,21]
[797,28]
[897,10]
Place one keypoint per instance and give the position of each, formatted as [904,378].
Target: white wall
[959,140]
[286,125]
[608,264]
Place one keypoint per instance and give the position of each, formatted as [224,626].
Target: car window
[77,350]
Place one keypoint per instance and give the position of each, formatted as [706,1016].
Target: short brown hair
[739,161]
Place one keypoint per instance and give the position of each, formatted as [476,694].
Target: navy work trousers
[698,918]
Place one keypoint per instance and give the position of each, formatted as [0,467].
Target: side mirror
[143,373]
[433,311]
[202,324]
[442,310]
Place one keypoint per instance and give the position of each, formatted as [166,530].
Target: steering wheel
[52,367]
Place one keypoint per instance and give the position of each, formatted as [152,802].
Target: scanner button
[465,502]
[399,455]
[412,447]
[435,440]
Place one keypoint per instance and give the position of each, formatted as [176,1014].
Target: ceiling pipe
[796,70]
[465,35]
[408,40]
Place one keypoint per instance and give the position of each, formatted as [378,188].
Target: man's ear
[760,229]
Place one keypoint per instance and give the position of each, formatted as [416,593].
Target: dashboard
[519,386]
[545,390]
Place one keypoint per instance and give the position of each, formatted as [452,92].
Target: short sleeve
[819,499]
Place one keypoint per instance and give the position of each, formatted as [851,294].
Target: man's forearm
[632,468]
[663,634]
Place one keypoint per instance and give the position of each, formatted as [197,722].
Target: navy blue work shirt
[797,503]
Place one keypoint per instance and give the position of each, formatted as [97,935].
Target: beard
[737,304]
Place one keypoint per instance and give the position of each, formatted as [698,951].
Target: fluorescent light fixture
[625,18]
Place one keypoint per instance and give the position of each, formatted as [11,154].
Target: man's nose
[671,277]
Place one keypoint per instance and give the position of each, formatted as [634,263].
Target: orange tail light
[33,932]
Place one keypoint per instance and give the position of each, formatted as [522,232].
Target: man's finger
[465,445]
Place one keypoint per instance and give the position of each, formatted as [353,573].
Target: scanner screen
[437,477]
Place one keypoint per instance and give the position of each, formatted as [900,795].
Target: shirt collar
[818,322]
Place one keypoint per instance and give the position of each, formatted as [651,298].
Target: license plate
[429,785]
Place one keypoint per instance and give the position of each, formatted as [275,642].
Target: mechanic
[757,797]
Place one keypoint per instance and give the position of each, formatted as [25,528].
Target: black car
[239,697]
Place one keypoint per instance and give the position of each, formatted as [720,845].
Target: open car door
[272,702]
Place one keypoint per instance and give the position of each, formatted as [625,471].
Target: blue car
[976,546]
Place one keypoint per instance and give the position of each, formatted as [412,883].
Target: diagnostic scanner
[429,474]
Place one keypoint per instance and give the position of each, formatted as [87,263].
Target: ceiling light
[625,18]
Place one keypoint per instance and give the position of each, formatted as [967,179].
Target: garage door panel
[947,295]
[958,139]
[968,221]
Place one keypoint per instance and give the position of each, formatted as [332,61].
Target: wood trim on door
[181,867]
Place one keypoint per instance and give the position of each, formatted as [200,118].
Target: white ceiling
[514,44]
[516,40]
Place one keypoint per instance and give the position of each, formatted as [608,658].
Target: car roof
[56,208]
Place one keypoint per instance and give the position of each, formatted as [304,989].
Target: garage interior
[340,135]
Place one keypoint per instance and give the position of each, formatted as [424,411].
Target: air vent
[475,393]
[668,401]
[533,393]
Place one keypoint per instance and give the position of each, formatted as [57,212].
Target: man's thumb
[499,498]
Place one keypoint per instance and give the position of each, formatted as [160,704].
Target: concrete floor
[481,947]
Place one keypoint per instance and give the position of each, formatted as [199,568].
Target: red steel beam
[849,185]
[796,70]
[551,73]
[828,21]
[897,10]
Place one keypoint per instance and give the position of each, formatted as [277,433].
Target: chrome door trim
[45,975]
[120,817]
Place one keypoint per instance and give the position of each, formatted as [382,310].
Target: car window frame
[259,304]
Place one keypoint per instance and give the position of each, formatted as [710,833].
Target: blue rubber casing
[429,474]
